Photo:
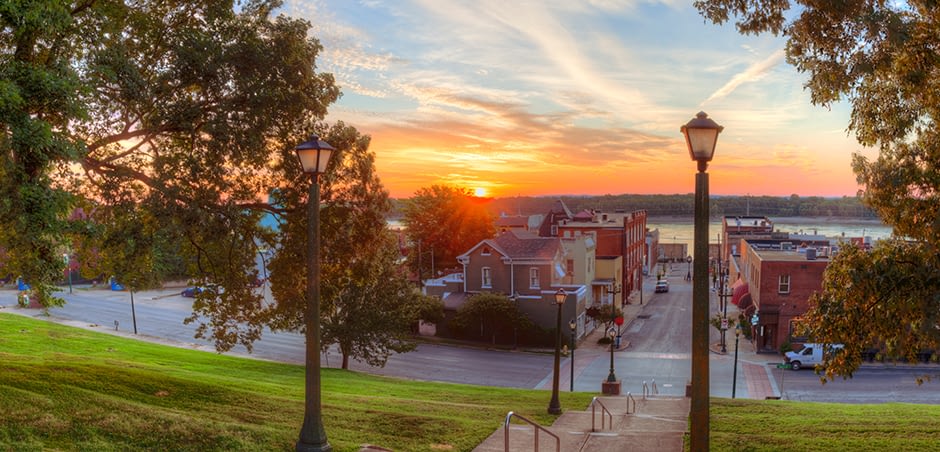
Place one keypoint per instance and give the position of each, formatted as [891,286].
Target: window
[569,264]
[486,251]
[784,286]
[534,278]
[487,278]
[554,230]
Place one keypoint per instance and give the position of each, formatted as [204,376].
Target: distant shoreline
[776,220]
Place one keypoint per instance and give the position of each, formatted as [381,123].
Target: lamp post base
[610,387]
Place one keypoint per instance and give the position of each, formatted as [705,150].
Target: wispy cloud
[753,73]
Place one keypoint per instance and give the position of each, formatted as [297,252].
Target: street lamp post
[701,135]
[573,326]
[734,378]
[68,269]
[689,274]
[554,407]
[611,334]
[314,156]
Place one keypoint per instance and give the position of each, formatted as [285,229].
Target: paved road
[659,350]
[160,317]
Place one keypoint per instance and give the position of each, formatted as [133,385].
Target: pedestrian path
[652,424]
[758,383]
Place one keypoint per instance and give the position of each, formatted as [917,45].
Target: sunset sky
[550,97]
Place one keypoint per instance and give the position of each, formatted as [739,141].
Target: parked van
[810,355]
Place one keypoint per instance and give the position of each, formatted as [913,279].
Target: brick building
[774,284]
[616,234]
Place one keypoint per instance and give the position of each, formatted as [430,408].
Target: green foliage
[187,109]
[605,314]
[444,222]
[885,298]
[71,389]
[746,325]
[490,315]
[715,322]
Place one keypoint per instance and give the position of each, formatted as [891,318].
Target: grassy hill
[70,389]
[63,388]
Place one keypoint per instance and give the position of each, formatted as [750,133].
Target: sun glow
[479,192]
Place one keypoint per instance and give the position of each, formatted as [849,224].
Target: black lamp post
[689,260]
[554,407]
[573,326]
[734,378]
[701,135]
[314,156]
[68,269]
[611,334]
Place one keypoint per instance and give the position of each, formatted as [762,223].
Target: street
[659,338]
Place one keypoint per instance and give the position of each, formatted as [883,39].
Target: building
[616,234]
[773,285]
[652,250]
[529,270]
[735,228]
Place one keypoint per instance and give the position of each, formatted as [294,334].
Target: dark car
[191,292]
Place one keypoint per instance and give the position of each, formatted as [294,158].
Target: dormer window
[486,251]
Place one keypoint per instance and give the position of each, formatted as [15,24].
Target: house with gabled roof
[529,270]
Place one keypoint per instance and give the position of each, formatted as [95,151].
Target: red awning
[738,291]
[746,302]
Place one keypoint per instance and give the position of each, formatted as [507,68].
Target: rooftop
[776,255]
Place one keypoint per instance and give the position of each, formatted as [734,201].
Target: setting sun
[479,192]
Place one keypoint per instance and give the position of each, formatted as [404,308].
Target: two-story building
[776,282]
[616,234]
[530,270]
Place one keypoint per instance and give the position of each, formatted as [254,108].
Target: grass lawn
[775,425]
[65,388]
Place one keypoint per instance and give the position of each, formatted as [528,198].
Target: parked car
[662,286]
[191,292]
[810,355]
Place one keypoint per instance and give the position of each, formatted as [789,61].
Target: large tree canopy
[194,105]
[884,59]
[172,124]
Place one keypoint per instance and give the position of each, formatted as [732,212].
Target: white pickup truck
[810,355]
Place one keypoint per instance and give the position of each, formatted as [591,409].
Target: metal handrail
[631,399]
[603,410]
[646,390]
[655,388]
[537,427]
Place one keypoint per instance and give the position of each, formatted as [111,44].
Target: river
[680,230]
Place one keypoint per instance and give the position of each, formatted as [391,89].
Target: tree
[444,222]
[606,313]
[368,307]
[881,57]
[132,250]
[885,298]
[194,102]
[490,314]
[375,306]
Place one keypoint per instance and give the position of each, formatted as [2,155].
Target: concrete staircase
[658,424]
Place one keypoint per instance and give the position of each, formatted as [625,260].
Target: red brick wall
[805,279]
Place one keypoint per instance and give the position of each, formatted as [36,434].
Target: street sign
[784,366]
[724,323]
